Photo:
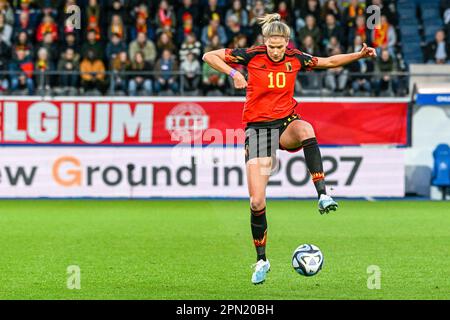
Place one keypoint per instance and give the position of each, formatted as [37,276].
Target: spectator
[48,11]
[384,36]
[267,4]
[92,45]
[258,10]
[336,78]
[285,13]
[118,28]
[5,31]
[192,70]
[332,45]
[331,7]
[239,12]
[24,25]
[212,11]
[186,27]
[309,46]
[5,57]
[165,17]
[331,29]
[7,11]
[214,45]
[119,66]
[51,47]
[70,41]
[138,82]
[21,72]
[31,14]
[47,25]
[360,82]
[115,46]
[312,8]
[190,45]
[164,68]
[23,43]
[240,42]
[354,9]
[233,29]
[118,7]
[165,43]
[43,66]
[93,27]
[358,30]
[212,29]
[69,64]
[310,80]
[143,24]
[310,29]
[93,16]
[259,41]
[387,9]
[213,80]
[145,45]
[438,50]
[187,9]
[92,72]
[385,81]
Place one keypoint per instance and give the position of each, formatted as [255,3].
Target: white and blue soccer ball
[307,260]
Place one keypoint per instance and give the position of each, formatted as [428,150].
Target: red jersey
[270,91]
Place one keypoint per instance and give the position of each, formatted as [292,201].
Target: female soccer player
[271,121]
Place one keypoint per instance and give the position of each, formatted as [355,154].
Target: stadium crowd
[154,47]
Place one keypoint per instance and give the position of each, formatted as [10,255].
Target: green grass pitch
[203,249]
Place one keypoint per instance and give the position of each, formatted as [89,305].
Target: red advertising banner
[115,122]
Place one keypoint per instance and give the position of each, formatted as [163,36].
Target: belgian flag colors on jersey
[271,84]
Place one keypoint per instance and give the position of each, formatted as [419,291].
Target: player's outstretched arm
[216,59]
[343,59]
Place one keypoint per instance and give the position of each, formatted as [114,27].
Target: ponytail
[271,26]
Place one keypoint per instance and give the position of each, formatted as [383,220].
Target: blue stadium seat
[410,30]
[402,4]
[411,47]
[430,31]
[430,14]
[407,13]
[407,40]
[409,20]
[429,4]
[412,52]
[441,168]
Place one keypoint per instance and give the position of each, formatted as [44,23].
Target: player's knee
[257,203]
[306,131]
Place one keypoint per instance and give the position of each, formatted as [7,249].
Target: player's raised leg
[301,134]
[258,174]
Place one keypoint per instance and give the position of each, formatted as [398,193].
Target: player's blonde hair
[272,26]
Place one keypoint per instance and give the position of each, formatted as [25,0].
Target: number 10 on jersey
[279,80]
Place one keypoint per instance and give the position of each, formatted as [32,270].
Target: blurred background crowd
[155,47]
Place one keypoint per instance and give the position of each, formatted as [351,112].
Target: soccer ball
[307,260]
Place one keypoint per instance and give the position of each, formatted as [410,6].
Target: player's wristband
[233,73]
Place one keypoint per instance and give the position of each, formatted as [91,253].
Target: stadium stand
[41,54]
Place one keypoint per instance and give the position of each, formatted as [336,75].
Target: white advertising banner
[143,172]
